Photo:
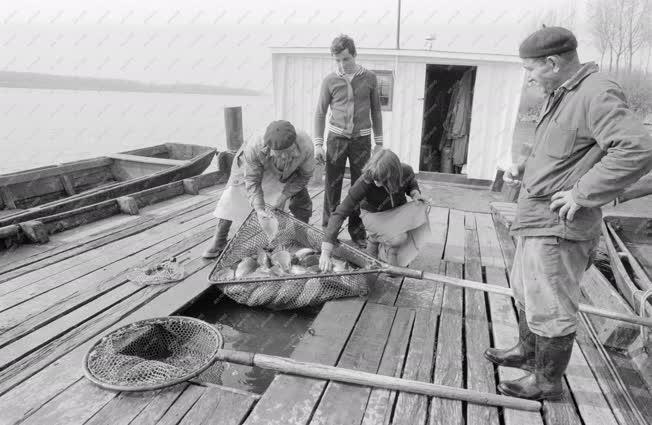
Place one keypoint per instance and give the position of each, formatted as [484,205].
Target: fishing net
[152,354]
[289,291]
[166,271]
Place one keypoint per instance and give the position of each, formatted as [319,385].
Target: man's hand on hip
[564,202]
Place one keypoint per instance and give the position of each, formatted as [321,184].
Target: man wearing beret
[588,147]
[272,168]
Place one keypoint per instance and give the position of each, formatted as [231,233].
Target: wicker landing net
[280,292]
[152,354]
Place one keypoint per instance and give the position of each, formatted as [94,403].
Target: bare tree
[602,28]
[638,17]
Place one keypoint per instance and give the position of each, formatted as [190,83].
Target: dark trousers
[338,149]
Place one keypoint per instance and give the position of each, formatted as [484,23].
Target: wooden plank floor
[55,301]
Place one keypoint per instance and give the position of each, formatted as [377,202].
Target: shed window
[385,88]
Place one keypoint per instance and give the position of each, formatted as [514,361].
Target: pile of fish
[283,261]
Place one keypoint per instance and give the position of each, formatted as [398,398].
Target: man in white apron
[272,169]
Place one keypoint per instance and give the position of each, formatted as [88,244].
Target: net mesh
[152,353]
[167,271]
[244,279]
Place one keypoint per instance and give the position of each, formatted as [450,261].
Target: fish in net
[283,272]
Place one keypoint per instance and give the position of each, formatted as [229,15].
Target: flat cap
[547,41]
[280,135]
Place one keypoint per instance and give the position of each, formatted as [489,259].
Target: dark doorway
[446,118]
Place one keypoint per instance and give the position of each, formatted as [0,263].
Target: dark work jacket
[587,140]
[370,198]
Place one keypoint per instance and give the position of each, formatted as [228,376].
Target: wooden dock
[57,299]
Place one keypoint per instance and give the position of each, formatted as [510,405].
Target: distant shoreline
[32,80]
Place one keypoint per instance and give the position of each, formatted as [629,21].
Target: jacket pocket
[560,141]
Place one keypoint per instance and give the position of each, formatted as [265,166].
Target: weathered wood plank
[34,392]
[479,371]
[345,403]
[180,408]
[40,310]
[490,251]
[506,245]
[504,330]
[385,290]
[421,293]
[587,393]
[615,384]
[123,408]
[75,405]
[18,267]
[454,251]
[448,362]
[412,408]
[219,406]
[381,402]
[156,408]
[70,332]
[291,399]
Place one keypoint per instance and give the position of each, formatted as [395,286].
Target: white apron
[234,204]
[411,218]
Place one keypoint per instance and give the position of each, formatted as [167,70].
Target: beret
[547,41]
[280,135]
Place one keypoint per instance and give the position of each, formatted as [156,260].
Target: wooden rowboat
[29,195]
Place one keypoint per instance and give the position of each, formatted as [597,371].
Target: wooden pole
[320,371]
[233,127]
[417,274]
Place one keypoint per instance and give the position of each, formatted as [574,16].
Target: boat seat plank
[147,159]
[381,401]
[454,251]
[412,409]
[291,399]
[219,406]
[448,361]
[345,403]
[504,330]
[479,371]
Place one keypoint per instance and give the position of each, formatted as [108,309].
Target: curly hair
[385,167]
[342,42]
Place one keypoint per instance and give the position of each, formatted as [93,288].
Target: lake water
[249,329]
[45,127]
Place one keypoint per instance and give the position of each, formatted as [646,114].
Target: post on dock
[234,138]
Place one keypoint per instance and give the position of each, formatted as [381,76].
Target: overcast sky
[227,42]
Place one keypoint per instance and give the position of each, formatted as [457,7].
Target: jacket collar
[360,71]
[584,71]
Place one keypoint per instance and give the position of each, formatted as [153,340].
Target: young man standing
[351,92]
[588,146]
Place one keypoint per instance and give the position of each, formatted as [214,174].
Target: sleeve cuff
[318,141]
[327,247]
[378,140]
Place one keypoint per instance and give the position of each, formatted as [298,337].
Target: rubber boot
[218,243]
[551,359]
[522,354]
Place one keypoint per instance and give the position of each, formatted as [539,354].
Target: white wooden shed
[410,75]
